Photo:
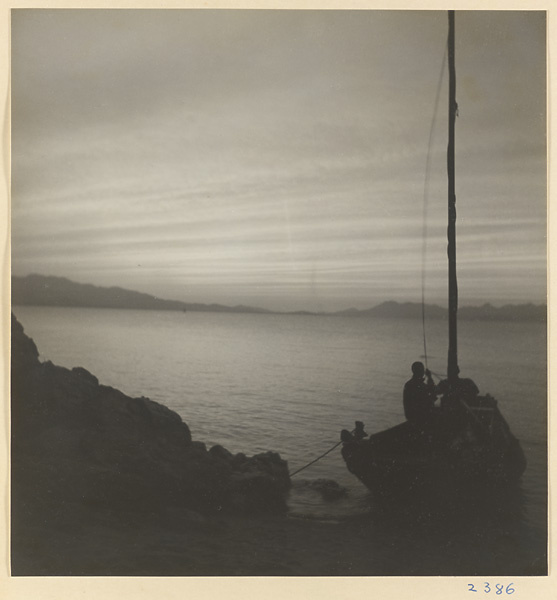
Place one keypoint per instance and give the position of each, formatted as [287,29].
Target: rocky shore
[84,453]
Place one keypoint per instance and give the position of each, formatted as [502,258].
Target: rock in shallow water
[328,488]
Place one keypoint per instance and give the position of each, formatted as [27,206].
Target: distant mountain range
[40,290]
[486,312]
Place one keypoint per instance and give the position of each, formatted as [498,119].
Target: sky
[292,160]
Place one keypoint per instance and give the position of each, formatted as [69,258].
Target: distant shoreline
[40,290]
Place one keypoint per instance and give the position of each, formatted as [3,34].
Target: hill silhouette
[41,290]
[485,312]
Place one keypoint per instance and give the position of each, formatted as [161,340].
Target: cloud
[275,154]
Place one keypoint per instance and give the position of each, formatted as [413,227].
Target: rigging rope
[318,458]
[426,193]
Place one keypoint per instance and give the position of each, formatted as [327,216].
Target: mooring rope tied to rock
[318,458]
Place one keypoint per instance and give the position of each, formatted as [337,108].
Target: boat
[466,443]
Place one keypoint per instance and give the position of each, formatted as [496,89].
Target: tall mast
[452,368]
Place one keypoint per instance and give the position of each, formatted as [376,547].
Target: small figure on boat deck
[419,395]
[359,433]
[356,435]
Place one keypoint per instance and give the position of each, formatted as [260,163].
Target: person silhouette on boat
[456,391]
[419,396]
[458,395]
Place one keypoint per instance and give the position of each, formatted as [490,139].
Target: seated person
[419,396]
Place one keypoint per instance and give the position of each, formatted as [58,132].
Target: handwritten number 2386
[499,588]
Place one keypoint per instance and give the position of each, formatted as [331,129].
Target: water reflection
[473,532]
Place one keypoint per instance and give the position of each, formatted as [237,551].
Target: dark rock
[197,448]
[74,440]
[240,459]
[221,453]
[328,488]
[260,484]
[85,375]
[24,352]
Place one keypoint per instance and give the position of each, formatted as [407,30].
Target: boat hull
[455,452]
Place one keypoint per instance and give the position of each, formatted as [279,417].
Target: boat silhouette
[465,444]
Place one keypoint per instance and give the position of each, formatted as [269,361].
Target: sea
[290,383]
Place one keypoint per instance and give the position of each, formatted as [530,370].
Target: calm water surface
[290,383]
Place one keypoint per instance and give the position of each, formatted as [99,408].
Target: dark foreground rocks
[83,446]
